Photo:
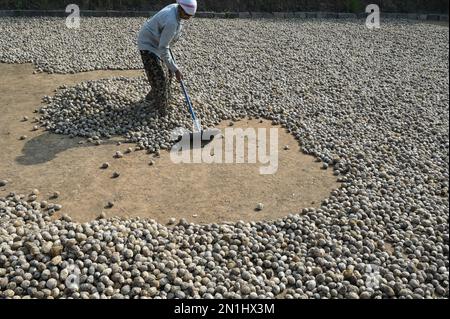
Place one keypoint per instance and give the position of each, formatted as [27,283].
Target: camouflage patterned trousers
[159,78]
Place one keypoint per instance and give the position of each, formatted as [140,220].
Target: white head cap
[189,6]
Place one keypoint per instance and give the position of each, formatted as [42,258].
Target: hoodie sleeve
[167,36]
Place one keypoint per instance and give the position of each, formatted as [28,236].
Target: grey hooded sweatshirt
[159,32]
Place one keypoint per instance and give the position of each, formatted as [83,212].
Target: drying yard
[359,208]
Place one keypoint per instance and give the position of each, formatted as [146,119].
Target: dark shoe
[150,105]
[162,111]
[149,97]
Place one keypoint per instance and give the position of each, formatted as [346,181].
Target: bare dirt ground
[201,193]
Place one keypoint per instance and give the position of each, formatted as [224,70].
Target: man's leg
[164,93]
[159,80]
[149,65]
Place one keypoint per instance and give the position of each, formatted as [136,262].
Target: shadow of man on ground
[45,147]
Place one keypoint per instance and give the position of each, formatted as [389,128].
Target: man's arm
[167,36]
[175,39]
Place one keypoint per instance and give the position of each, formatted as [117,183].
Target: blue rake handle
[188,101]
